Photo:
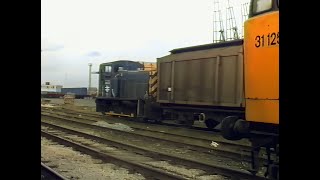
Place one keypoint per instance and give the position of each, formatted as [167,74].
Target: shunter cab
[123,86]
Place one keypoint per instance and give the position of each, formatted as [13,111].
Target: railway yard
[204,112]
[78,143]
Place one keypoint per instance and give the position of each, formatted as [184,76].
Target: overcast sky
[77,32]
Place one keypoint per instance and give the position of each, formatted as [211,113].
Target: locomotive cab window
[117,69]
[107,69]
[260,6]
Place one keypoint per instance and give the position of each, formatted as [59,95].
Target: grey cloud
[53,48]
[94,54]
[50,46]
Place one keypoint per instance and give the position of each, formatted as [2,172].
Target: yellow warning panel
[265,111]
[261,66]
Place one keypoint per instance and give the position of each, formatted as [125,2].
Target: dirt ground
[77,102]
[139,158]
[74,165]
[52,152]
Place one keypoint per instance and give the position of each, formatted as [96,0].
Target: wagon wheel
[211,123]
[189,122]
[227,128]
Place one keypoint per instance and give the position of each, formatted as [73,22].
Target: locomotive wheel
[210,123]
[145,119]
[189,122]
[273,172]
[178,121]
[227,128]
[184,122]
[158,121]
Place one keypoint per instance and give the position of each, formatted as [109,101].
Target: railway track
[232,149]
[133,157]
[109,157]
[204,133]
[49,174]
[149,127]
[239,153]
[157,129]
[95,115]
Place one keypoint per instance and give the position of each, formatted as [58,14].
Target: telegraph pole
[90,65]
